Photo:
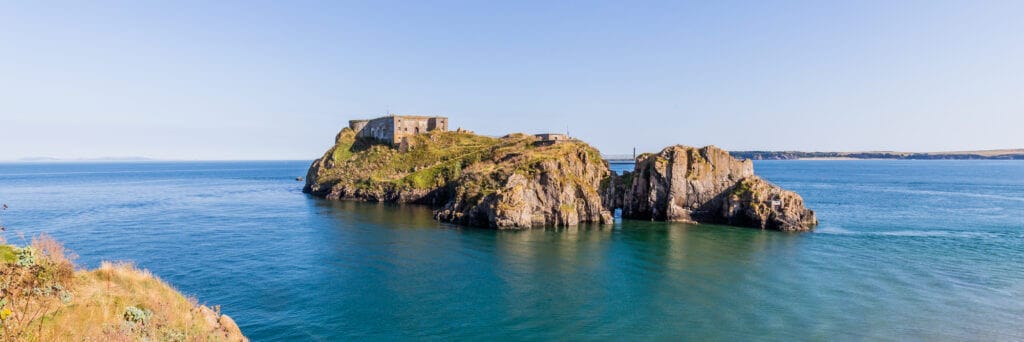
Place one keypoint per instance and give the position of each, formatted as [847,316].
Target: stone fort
[394,129]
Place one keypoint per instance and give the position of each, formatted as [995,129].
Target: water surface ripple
[923,250]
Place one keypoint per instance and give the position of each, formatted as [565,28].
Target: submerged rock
[688,184]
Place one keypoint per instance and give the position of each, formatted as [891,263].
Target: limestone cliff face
[681,183]
[613,189]
[707,185]
[560,191]
[511,182]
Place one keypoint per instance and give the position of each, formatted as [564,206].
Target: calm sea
[923,250]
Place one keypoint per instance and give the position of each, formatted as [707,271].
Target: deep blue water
[922,250]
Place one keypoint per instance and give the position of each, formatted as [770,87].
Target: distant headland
[1005,154]
[81,160]
[520,180]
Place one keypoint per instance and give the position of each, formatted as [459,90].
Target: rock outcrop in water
[519,181]
[705,185]
[754,202]
[511,182]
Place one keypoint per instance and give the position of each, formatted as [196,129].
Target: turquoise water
[923,250]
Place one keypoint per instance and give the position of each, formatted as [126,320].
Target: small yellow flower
[6,312]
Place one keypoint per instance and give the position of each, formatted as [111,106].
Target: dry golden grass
[34,281]
[101,298]
[53,251]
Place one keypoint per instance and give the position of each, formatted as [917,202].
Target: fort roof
[417,116]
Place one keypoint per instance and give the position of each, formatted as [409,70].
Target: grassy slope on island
[44,299]
[432,159]
[520,154]
[371,170]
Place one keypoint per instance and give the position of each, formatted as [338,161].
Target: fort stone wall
[379,128]
[394,129]
[357,125]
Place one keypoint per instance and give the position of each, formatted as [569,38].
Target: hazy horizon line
[143,159]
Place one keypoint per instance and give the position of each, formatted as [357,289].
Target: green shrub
[26,256]
[8,254]
[137,315]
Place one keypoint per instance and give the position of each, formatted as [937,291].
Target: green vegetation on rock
[524,180]
[434,159]
[742,187]
[430,160]
[8,254]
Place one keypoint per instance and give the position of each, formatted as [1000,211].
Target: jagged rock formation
[561,190]
[506,183]
[754,202]
[679,183]
[705,185]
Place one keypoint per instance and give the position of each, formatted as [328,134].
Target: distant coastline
[1007,154]
[80,160]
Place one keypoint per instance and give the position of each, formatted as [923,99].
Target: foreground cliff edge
[45,299]
[522,181]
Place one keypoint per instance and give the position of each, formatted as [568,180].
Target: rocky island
[522,181]
[513,181]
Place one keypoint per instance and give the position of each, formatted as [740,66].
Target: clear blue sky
[277,80]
